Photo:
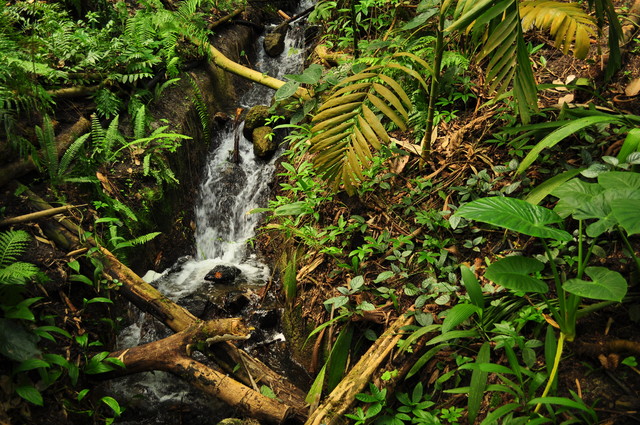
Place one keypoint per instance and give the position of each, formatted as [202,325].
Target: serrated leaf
[513,273]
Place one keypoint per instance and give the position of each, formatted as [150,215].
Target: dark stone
[265,319]
[264,142]
[274,42]
[236,302]
[195,303]
[256,117]
[223,275]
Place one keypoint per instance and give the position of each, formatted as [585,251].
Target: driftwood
[148,299]
[63,141]
[171,355]
[341,398]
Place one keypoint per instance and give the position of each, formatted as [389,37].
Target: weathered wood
[341,398]
[150,300]
[227,18]
[37,215]
[171,355]
[63,141]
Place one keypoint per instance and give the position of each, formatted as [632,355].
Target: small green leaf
[513,273]
[474,290]
[606,285]
[113,404]
[515,214]
[287,90]
[30,393]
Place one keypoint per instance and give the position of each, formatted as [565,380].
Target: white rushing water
[223,228]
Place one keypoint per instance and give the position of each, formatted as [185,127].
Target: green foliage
[346,129]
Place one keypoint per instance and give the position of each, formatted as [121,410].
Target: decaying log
[63,141]
[341,398]
[148,299]
[227,18]
[171,355]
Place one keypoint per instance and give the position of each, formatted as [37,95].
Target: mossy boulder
[264,143]
[274,42]
[256,117]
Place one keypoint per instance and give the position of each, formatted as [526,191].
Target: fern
[13,243]
[47,140]
[201,108]
[71,154]
[346,128]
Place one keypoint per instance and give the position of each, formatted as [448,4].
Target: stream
[224,229]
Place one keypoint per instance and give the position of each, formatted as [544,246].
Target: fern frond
[71,153]
[17,273]
[47,140]
[566,22]
[346,129]
[201,108]
[12,244]
[140,123]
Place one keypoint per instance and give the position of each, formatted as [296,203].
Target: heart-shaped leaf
[573,194]
[515,214]
[606,285]
[619,180]
[625,211]
[513,273]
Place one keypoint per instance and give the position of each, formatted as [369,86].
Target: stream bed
[224,229]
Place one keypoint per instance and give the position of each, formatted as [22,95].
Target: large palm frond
[348,125]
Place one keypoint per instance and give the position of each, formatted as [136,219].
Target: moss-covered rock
[256,117]
[264,143]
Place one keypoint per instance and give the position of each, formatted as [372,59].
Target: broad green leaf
[294,208]
[30,393]
[548,186]
[627,214]
[513,273]
[574,194]
[287,90]
[515,214]
[310,75]
[315,392]
[478,383]
[30,364]
[605,284]
[564,401]
[474,290]
[419,20]
[458,314]
[619,180]
[631,144]
[338,358]
[113,404]
[599,207]
[499,413]
[560,134]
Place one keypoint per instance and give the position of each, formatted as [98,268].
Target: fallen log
[171,355]
[63,141]
[37,215]
[343,395]
[148,299]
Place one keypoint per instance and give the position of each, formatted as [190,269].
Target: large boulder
[264,143]
[223,274]
[274,42]
[256,117]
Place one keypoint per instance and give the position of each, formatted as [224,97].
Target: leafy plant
[346,128]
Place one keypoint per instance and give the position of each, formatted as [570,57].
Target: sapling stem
[554,370]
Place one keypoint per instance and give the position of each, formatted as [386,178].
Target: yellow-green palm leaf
[348,126]
[566,22]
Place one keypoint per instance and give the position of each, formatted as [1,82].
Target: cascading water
[223,228]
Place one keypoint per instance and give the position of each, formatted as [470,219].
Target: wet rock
[256,117]
[223,274]
[236,302]
[264,143]
[265,319]
[274,41]
[196,303]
